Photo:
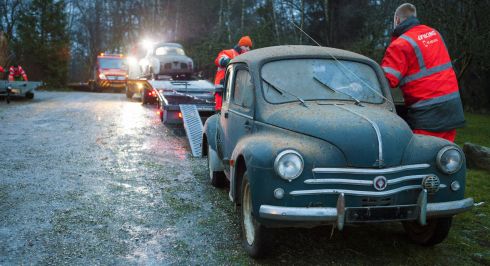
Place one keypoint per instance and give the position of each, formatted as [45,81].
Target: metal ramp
[193,127]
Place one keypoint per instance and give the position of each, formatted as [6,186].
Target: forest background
[57,41]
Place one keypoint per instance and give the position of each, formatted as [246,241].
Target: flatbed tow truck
[188,102]
[25,88]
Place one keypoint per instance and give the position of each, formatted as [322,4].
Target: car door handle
[248,126]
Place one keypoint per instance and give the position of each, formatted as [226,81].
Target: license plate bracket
[382,214]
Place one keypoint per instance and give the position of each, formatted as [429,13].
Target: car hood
[112,71]
[352,129]
[172,58]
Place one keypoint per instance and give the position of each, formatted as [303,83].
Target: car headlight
[102,76]
[289,164]
[449,160]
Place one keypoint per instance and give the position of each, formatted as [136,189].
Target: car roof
[296,51]
[161,44]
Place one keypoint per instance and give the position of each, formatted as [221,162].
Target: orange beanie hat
[245,41]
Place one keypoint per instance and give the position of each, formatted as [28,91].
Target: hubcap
[248,220]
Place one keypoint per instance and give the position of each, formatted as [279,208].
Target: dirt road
[95,178]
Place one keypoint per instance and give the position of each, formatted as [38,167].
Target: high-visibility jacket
[418,61]
[221,61]
[17,73]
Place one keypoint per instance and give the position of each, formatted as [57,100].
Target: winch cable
[340,62]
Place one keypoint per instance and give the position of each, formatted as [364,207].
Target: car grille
[360,183]
[116,77]
[167,66]
[183,65]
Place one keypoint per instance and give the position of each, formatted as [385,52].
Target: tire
[257,239]
[144,97]
[217,178]
[30,95]
[152,75]
[129,93]
[433,233]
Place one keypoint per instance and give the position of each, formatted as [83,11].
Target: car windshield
[320,79]
[114,63]
[169,50]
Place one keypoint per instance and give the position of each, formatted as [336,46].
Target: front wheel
[433,233]
[129,93]
[30,95]
[218,178]
[257,239]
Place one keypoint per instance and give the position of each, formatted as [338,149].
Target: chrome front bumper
[337,215]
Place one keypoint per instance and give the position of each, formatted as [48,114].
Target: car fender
[155,64]
[260,151]
[209,139]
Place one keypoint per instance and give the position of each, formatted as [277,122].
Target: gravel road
[95,178]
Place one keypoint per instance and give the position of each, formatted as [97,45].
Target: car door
[223,117]
[240,109]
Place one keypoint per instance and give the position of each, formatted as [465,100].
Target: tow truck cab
[109,72]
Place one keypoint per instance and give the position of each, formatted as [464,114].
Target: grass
[477,130]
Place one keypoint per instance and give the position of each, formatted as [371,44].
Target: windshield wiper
[357,101]
[283,91]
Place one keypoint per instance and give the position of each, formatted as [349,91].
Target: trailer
[25,88]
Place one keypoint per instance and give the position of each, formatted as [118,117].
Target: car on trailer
[165,59]
[309,136]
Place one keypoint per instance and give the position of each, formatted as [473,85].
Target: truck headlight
[289,164]
[102,76]
[449,160]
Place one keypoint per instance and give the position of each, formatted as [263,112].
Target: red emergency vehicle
[109,73]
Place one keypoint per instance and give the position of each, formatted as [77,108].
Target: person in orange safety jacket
[15,72]
[417,60]
[225,57]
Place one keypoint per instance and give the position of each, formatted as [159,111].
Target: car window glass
[243,94]
[229,81]
[114,63]
[168,50]
[397,95]
[320,79]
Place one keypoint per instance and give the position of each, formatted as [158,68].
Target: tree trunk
[275,20]
[220,20]
[326,21]
[302,21]
[177,21]
[243,16]
[228,20]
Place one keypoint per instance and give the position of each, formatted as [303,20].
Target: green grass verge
[477,130]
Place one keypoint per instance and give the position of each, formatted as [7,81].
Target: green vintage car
[309,136]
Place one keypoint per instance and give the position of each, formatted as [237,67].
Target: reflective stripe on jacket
[17,73]
[417,60]
[221,61]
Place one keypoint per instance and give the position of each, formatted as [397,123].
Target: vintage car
[309,136]
[165,59]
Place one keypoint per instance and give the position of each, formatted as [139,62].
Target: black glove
[6,71]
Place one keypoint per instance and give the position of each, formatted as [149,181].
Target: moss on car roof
[296,50]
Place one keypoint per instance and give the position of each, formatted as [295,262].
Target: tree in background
[42,43]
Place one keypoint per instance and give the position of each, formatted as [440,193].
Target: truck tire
[129,93]
[433,233]
[257,239]
[29,95]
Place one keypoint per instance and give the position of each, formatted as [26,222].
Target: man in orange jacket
[417,60]
[15,72]
[225,57]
